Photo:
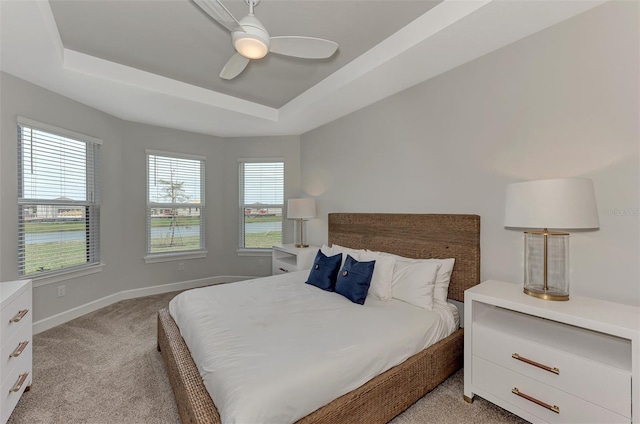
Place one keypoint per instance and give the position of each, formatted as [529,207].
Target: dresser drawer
[8,399]
[14,315]
[601,384]
[18,345]
[501,382]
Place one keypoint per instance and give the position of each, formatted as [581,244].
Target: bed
[388,394]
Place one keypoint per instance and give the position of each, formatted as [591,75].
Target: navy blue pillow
[324,271]
[354,279]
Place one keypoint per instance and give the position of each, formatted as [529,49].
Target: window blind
[261,203]
[58,200]
[175,203]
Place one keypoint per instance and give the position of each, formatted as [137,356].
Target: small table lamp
[301,210]
[568,203]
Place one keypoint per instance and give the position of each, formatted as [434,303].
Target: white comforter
[274,349]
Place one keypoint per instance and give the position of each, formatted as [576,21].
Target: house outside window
[175,205]
[261,203]
[58,200]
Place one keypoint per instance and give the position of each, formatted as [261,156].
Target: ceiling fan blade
[304,47]
[234,67]
[220,13]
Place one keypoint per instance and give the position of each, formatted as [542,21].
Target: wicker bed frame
[390,393]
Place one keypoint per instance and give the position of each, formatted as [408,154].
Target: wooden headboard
[416,236]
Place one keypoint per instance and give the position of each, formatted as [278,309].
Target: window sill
[63,275]
[168,257]
[253,252]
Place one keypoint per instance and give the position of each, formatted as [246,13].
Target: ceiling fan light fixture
[251,47]
[251,40]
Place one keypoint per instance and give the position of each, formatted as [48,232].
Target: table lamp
[301,210]
[568,203]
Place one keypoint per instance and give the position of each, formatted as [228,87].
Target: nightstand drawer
[280,268]
[14,316]
[538,398]
[592,381]
[288,258]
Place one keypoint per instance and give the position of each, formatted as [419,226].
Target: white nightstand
[289,258]
[574,361]
[15,341]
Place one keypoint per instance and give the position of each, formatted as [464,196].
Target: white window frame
[183,254]
[91,205]
[252,251]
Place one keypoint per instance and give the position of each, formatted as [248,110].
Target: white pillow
[442,278]
[326,250]
[382,273]
[414,282]
[355,254]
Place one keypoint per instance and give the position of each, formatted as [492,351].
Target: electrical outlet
[62,290]
[180,266]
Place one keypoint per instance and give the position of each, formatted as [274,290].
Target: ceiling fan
[252,41]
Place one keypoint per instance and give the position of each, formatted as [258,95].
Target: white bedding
[275,349]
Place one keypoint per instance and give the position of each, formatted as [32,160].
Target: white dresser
[289,258]
[559,362]
[15,344]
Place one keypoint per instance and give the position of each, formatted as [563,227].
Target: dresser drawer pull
[19,349]
[535,364]
[20,382]
[19,316]
[284,270]
[553,408]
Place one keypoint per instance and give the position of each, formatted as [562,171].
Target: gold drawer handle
[283,270]
[19,349]
[535,364]
[553,408]
[19,316]
[20,382]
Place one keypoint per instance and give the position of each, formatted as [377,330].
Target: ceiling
[157,61]
[176,39]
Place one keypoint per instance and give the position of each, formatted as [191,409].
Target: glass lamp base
[546,264]
[549,294]
[299,241]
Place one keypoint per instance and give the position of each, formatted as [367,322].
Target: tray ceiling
[157,62]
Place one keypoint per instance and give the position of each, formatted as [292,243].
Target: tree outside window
[175,203]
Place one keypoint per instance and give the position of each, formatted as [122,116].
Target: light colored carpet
[104,368]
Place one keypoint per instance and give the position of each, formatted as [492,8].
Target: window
[261,203]
[58,204]
[175,203]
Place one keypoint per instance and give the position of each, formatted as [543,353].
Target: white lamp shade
[568,203]
[304,208]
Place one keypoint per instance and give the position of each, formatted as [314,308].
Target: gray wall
[21,98]
[252,147]
[560,103]
[123,196]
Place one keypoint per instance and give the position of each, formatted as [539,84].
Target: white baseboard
[61,318]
